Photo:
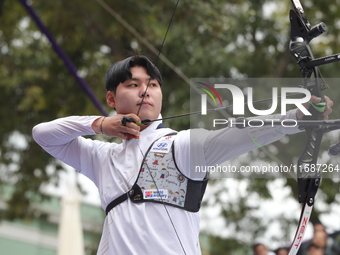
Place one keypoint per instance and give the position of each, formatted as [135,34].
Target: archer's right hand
[113,126]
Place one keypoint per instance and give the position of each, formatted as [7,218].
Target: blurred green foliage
[206,39]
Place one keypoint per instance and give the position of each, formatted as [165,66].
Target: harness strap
[118,200]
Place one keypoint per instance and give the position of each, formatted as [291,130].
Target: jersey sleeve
[63,139]
[200,147]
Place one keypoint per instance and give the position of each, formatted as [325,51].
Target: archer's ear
[111,99]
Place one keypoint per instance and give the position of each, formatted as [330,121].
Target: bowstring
[143,156]
[159,53]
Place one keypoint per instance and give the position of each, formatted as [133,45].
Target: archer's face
[129,95]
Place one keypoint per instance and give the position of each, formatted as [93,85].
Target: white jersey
[144,228]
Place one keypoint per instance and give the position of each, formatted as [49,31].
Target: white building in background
[39,236]
[70,233]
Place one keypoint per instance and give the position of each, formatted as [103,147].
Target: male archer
[142,215]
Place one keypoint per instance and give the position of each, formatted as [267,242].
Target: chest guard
[160,181]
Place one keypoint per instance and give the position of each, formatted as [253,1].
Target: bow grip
[315,88]
[316,109]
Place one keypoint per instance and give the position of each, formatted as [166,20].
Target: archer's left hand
[315,99]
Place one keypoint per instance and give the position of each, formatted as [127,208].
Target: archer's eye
[153,84]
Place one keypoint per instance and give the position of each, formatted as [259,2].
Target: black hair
[120,71]
[254,246]
[316,222]
[281,248]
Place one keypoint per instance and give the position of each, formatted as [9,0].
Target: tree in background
[207,39]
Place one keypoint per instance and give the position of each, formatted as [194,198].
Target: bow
[308,181]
